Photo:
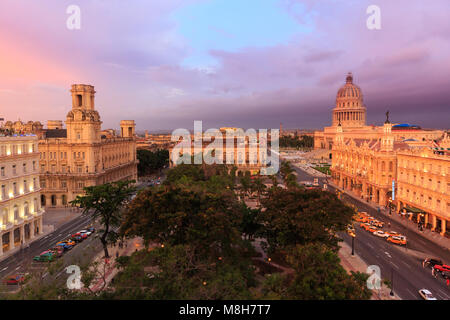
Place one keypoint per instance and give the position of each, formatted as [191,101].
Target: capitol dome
[350,110]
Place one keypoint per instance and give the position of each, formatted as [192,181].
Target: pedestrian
[448,281]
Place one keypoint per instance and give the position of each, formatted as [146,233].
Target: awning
[414,210]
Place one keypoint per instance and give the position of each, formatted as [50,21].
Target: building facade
[20,209]
[82,155]
[424,184]
[397,165]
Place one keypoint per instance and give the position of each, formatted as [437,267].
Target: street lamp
[392,283]
[353,244]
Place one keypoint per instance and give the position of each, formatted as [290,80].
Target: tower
[387,141]
[127,128]
[83,122]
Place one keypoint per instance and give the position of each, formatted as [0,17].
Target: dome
[350,110]
[349,92]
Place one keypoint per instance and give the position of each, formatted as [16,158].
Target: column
[40,225]
[22,233]
[11,239]
[1,244]
[443,226]
[426,219]
[32,229]
[433,222]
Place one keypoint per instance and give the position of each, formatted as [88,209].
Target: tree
[105,204]
[319,276]
[178,272]
[151,162]
[172,215]
[299,216]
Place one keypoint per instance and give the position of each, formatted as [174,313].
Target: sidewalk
[412,226]
[355,263]
[129,247]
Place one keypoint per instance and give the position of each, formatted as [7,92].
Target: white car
[380,233]
[426,294]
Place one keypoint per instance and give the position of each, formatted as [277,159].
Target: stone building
[20,209]
[244,152]
[424,187]
[80,155]
[350,111]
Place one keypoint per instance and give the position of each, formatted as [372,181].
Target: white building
[20,211]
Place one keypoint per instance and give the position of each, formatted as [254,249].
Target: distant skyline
[252,63]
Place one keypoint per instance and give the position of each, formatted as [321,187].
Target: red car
[14,279]
[442,268]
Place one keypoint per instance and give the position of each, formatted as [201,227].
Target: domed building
[350,110]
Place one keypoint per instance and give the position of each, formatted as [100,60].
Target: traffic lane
[409,275]
[80,255]
[20,259]
[415,241]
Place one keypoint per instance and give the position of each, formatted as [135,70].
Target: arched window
[26,210]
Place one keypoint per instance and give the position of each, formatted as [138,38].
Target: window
[34,184]
[15,188]
[25,186]
[63,168]
[53,168]
[34,165]
[24,168]
[14,169]
[63,184]
[79,169]
[3,171]
[3,192]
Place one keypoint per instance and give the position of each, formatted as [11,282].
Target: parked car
[68,242]
[393,233]
[380,233]
[368,227]
[45,256]
[442,268]
[401,240]
[14,279]
[426,294]
[65,246]
[76,237]
[376,223]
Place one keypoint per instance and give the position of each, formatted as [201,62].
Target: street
[406,263]
[22,261]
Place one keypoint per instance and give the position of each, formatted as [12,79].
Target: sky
[251,64]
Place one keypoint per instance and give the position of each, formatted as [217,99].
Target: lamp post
[392,283]
[353,244]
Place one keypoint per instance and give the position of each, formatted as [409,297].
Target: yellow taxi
[400,240]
